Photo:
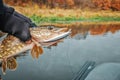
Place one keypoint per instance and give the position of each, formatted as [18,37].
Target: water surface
[99,43]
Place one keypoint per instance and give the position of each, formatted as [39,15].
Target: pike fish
[11,46]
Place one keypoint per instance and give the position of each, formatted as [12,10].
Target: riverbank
[69,16]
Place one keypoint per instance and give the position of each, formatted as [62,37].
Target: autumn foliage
[103,4]
[107,4]
[41,3]
[99,4]
[115,4]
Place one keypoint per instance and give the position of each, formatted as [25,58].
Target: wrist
[8,9]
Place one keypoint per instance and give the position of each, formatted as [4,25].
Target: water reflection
[78,51]
[81,32]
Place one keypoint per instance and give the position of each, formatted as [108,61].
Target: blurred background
[68,11]
[68,4]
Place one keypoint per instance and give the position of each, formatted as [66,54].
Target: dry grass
[82,24]
[63,13]
[35,10]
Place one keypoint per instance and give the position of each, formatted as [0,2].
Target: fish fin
[39,51]
[4,66]
[12,63]
[33,52]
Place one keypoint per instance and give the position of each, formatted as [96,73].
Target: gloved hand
[16,24]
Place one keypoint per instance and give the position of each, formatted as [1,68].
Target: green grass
[38,19]
[105,19]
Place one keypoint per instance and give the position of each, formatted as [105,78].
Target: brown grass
[29,11]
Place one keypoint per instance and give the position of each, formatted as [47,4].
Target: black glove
[16,24]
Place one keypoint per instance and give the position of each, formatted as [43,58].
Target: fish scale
[9,47]
[11,44]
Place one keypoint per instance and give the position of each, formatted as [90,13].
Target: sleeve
[2,9]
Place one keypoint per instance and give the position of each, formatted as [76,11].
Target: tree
[103,4]
[115,5]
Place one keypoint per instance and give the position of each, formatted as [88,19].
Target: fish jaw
[46,36]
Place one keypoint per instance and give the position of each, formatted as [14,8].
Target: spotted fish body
[11,45]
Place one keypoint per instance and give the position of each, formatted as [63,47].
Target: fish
[11,45]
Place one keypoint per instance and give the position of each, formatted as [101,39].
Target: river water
[99,43]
